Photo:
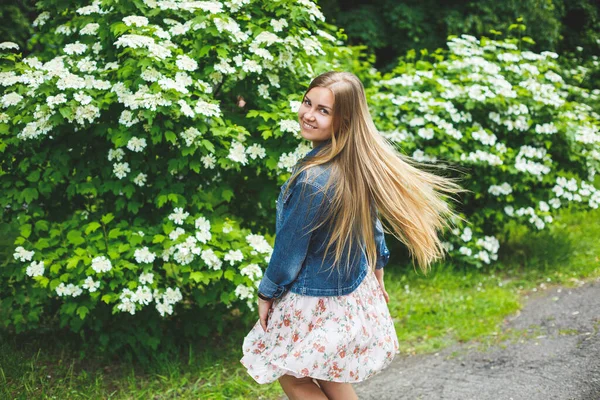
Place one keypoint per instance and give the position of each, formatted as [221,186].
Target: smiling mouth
[307,126]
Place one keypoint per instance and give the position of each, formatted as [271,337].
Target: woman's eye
[324,110]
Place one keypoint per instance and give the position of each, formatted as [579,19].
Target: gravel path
[559,361]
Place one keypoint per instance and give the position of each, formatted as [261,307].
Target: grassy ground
[451,304]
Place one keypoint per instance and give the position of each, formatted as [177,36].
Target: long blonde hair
[371,177]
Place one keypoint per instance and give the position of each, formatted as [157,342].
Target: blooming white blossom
[140,179]
[121,169]
[68,290]
[9,46]
[144,255]
[504,189]
[237,153]
[256,151]
[36,268]
[146,278]
[90,284]
[467,234]
[136,144]
[420,156]
[175,233]
[465,250]
[115,154]
[289,125]
[41,19]
[207,109]
[101,264]
[134,20]
[128,119]
[209,161]
[10,99]
[252,271]
[75,48]
[186,110]
[481,135]
[211,260]
[233,256]
[278,24]
[90,29]
[23,255]
[244,292]
[186,63]
[178,216]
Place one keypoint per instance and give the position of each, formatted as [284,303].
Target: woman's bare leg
[301,388]
[337,390]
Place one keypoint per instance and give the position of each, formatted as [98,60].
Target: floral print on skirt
[333,338]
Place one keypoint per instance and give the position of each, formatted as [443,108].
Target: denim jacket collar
[318,148]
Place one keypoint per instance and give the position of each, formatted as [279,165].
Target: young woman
[323,318]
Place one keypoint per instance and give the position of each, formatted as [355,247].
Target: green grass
[451,304]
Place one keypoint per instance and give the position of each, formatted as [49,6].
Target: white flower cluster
[101,264]
[252,271]
[420,156]
[524,163]
[503,189]
[259,244]
[178,216]
[90,284]
[534,219]
[480,155]
[568,190]
[202,225]
[144,256]
[210,259]
[68,290]
[490,245]
[136,144]
[547,129]
[488,139]
[233,255]
[289,125]
[36,268]
[288,160]
[23,255]
[187,250]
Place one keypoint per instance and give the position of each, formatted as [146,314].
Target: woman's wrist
[263,297]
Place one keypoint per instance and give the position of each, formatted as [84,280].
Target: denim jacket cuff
[270,289]
[383,259]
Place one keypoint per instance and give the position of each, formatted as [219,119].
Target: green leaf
[229,275]
[74,237]
[82,311]
[227,194]
[208,145]
[107,218]
[42,226]
[30,194]
[92,227]
[196,276]
[158,238]
[34,176]
[25,230]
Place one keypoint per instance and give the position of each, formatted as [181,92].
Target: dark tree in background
[390,27]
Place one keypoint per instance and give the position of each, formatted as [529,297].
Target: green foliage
[392,28]
[525,137]
[128,159]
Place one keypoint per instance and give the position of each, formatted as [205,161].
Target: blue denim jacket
[295,263]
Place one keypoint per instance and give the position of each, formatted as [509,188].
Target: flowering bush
[130,149]
[526,138]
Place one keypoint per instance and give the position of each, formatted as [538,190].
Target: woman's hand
[379,276]
[263,312]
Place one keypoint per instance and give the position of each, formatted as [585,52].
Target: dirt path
[560,360]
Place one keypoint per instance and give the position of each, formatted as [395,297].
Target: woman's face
[316,115]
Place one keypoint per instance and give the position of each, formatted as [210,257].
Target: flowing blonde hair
[371,178]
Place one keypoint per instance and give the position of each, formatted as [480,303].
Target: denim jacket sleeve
[293,238]
[383,254]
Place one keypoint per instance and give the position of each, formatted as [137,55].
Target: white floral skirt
[333,338]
